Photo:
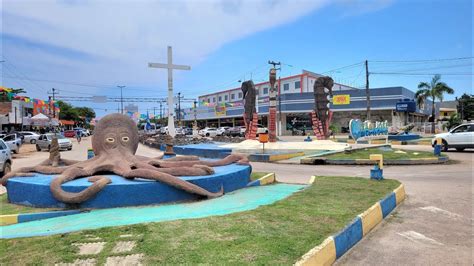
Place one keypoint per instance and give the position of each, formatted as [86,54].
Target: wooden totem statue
[321,116]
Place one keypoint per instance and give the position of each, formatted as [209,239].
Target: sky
[88,48]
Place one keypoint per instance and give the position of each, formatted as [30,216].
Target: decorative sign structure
[367,130]
[341,99]
[220,110]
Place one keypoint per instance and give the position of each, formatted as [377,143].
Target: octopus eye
[125,139]
[111,140]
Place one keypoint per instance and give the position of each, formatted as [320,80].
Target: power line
[422,60]
[422,74]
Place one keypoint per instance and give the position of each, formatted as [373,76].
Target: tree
[433,90]
[85,112]
[67,111]
[466,107]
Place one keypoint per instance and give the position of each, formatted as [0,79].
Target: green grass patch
[257,175]
[279,233]
[394,154]
[8,208]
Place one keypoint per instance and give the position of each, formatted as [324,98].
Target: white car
[460,137]
[5,158]
[30,137]
[261,129]
[222,130]
[164,130]
[208,132]
[44,142]
[13,142]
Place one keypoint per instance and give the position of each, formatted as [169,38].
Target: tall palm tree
[433,90]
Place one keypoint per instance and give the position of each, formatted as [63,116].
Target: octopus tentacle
[196,170]
[233,158]
[173,181]
[72,173]
[28,171]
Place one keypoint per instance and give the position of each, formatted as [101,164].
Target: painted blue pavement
[237,201]
[206,150]
[35,191]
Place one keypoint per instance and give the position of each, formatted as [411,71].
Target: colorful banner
[341,99]
[220,110]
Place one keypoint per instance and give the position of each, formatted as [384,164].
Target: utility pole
[161,114]
[53,92]
[121,98]
[367,91]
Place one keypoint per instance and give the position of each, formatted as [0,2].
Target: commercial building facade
[296,101]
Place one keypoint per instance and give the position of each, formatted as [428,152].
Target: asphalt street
[433,225]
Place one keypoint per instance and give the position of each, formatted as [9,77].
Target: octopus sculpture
[322,89]
[115,142]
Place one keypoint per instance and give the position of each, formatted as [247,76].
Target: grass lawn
[7,208]
[279,233]
[257,175]
[387,154]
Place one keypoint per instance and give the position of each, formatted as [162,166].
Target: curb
[273,157]
[333,247]
[420,161]
[264,180]
[28,217]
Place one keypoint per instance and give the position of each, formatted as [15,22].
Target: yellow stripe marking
[8,219]
[324,254]
[400,193]
[371,217]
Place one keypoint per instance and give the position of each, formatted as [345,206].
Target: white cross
[170,68]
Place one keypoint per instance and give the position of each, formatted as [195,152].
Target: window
[9,138]
[226,98]
[208,100]
[232,96]
[286,87]
[461,129]
[240,95]
[2,145]
[298,85]
[265,90]
[220,98]
[213,99]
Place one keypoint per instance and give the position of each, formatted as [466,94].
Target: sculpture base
[34,191]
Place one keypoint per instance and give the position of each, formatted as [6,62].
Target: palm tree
[433,90]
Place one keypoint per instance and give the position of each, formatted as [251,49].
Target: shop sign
[367,130]
[341,99]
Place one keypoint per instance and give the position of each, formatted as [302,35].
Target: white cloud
[112,41]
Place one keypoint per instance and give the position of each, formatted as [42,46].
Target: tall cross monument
[170,67]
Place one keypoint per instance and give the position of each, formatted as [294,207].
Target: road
[432,226]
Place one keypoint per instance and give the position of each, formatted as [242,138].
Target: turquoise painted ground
[237,201]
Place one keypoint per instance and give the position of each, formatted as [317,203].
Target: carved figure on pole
[250,113]
[272,108]
[321,116]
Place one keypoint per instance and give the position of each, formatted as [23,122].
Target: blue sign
[406,106]
[367,129]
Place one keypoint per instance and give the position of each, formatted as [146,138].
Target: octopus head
[115,133]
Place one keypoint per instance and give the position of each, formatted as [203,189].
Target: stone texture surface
[90,248]
[130,260]
[79,262]
[124,246]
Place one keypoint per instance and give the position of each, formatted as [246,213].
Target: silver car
[13,142]
[44,142]
[30,136]
[5,158]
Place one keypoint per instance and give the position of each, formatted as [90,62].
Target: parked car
[164,130]
[208,132]
[70,133]
[187,131]
[44,142]
[222,131]
[30,137]
[235,131]
[19,135]
[84,132]
[13,142]
[261,129]
[5,158]
[460,138]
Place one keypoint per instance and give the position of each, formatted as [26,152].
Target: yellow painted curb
[311,180]
[371,217]
[8,219]
[280,157]
[324,254]
[267,179]
[399,193]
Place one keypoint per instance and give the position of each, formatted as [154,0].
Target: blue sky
[100,45]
